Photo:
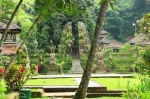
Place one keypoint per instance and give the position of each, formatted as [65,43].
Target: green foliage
[52,27]
[140,91]
[16,77]
[125,48]
[4,59]
[6,9]
[143,62]
[119,21]
[119,61]
[83,60]
[144,24]
[22,57]
[146,55]
[63,63]
[2,90]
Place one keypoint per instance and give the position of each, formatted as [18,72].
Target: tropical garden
[52,31]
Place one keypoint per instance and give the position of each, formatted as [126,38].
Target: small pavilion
[9,44]
[139,40]
[109,43]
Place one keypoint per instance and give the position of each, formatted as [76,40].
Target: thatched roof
[114,44]
[103,34]
[12,28]
[139,40]
[105,40]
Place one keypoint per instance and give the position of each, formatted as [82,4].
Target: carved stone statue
[52,54]
[100,67]
[52,67]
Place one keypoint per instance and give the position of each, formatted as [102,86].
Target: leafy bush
[63,63]
[83,60]
[140,91]
[2,90]
[22,57]
[143,60]
[16,77]
[125,48]
[146,55]
[119,61]
[1,71]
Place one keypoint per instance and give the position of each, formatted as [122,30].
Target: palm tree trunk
[81,92]
[25,38]
[10,20]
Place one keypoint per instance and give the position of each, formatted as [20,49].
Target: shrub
[2,90]
[1,71]
[125,48]
[63,63]
[16,77]
[140,91]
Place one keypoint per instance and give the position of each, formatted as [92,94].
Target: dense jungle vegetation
[118,22]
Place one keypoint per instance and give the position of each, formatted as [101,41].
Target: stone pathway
[80,75]
[59,94]
[91,83]
[76,65]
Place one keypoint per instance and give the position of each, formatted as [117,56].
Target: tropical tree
[144,24]
[82,89]
[6,9]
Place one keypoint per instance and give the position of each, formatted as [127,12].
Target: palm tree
[81,92]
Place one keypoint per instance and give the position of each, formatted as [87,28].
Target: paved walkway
[80,75]
[91,83]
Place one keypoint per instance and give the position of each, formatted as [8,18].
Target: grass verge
[52,82]
[116,83]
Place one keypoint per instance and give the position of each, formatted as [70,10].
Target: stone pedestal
[52,70]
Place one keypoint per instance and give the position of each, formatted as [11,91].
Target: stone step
[89,95]
[59,94]
[93,89]
[80,75]
[37,93]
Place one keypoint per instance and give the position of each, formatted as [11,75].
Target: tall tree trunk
[81,92]
[10,20]
[24,40]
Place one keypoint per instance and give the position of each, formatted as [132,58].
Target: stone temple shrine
[9,43]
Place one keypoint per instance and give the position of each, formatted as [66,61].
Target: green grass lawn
[52,82]
[85,98]
[108,98]
[116,83]
[110,83]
